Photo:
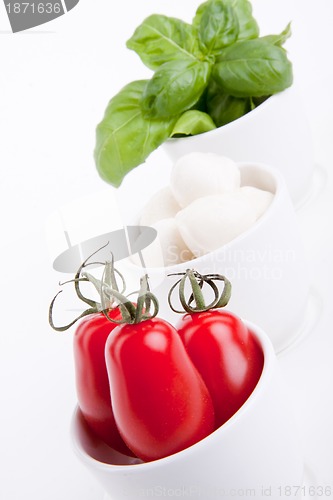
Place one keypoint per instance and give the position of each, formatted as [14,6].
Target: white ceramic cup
[277,133]
[265,264]
[256,453]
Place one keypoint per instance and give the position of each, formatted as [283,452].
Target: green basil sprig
[206,74]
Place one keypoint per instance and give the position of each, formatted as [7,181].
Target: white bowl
[266,265]
[255,451]
[276,132]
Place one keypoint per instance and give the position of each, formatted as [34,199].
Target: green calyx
[109,279]
[145,308]
[197,282]
[111,295]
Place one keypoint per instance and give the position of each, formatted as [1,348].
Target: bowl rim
[172,141]
[262,385]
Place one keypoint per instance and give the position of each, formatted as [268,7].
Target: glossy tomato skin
[227,356]
[161,404]
[92,383]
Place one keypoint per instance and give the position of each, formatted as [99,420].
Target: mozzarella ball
[162,205]
[212,221]
[259,198]
[167,249]
[195,175]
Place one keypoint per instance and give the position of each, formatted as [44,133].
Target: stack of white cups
[258,452]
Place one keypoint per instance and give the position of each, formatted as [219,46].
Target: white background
[55,82]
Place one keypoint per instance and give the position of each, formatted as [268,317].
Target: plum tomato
[92,383]
[227,356]
[161,405]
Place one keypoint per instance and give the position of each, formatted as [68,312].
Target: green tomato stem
[107,302]
[131,313]
[197,282]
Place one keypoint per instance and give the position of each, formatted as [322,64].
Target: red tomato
[226,355]
[161,404]
[92,384]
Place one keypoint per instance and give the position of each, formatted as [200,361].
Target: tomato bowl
[276,132]
[255,452]
[266,265]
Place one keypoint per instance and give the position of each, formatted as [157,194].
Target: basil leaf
[160,39]
[192,122]
[248,27]
[224,108]
[125,138]
[218,27]
[175,87]
[278,39]
[253,68]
